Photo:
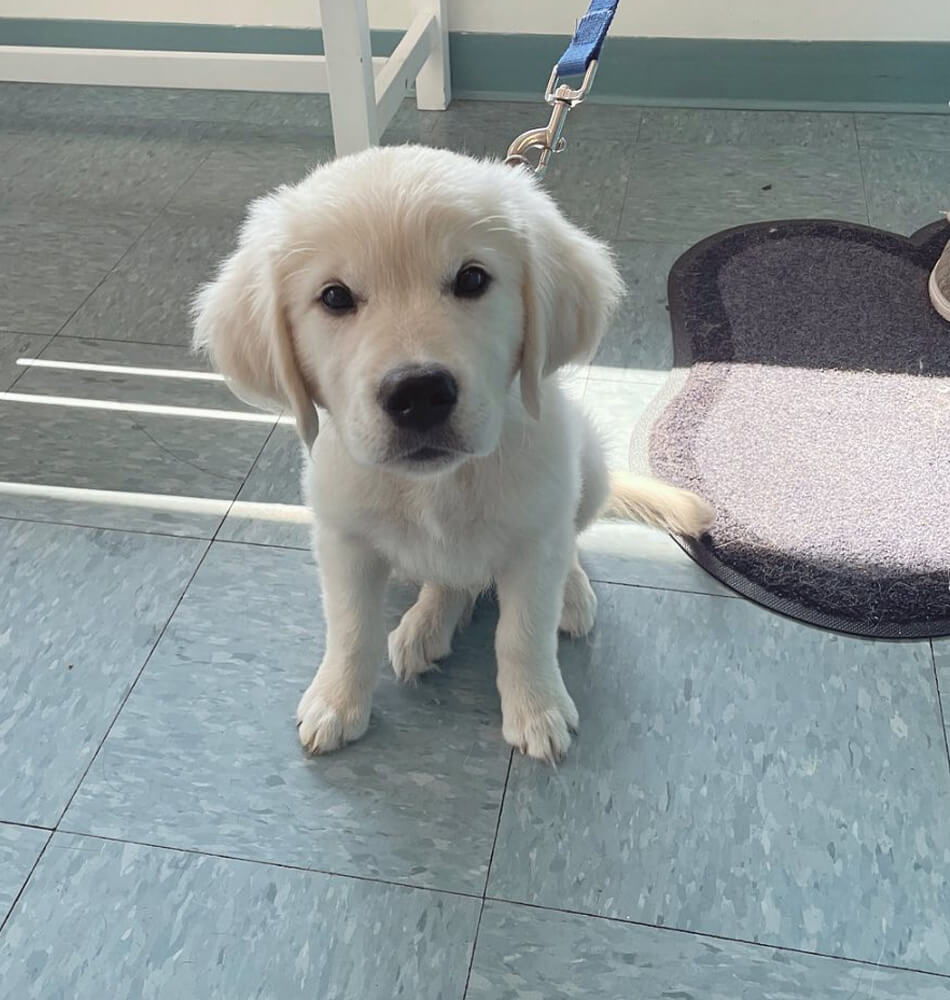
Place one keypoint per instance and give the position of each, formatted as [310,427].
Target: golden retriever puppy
[423,301]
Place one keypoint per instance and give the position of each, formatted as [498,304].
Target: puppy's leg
[579,608]
[425,633]
[580,603]
[595,479]
[335,708]
[537,712]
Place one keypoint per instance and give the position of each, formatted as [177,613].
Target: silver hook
[548,138]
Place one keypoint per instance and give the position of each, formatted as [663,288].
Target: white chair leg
[434,82]
[350,74]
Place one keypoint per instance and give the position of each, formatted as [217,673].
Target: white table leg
[434,82]
[350,73]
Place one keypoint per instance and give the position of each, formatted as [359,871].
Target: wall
[885,20]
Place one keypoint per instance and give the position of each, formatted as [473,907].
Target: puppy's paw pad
[579,610]
[323,727]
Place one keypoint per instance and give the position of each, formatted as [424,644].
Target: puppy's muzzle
[418,398]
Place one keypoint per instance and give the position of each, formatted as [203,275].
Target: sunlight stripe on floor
[282,512]
[88,366]
[154,408]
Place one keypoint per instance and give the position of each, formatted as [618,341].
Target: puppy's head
[404,290]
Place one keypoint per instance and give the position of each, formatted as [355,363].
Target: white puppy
[423,300]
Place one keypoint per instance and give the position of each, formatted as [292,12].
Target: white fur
[524,471]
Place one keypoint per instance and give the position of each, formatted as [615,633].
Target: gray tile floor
[752,808]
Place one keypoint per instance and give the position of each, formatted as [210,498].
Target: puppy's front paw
[327,721]
[415,645]
[540,728]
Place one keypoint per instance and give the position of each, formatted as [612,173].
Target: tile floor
[753,808]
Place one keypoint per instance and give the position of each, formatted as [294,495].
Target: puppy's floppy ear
[242,326]
[570,287]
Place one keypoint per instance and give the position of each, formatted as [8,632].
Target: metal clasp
[548,139]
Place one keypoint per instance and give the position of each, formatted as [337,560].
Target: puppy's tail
[640,498]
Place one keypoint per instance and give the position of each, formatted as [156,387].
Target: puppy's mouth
[428,454]
[426,457]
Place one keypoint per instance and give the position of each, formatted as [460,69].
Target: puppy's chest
[440,538]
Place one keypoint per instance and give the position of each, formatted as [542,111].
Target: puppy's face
[405,302]
[403,289]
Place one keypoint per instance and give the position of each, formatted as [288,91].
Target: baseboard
[702,72]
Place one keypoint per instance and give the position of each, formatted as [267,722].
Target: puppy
[423,300]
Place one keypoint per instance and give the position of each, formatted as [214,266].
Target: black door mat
[810,403]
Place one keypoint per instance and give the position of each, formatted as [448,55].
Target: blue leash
[588,39]
[579,59]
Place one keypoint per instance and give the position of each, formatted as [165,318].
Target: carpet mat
[810,403]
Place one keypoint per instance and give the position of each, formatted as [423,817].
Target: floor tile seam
[818,148]
[247,476]
[103,279]
[708,935]
[593,380]
[116,529]
[132,686]
[26,882]
[631,171]
[630,162]
[614,380]
[643,114]
[269,863]
[471,957]
[491,858]
[595,578]
[158,213]
[281,547]
[60,337]
[864,182]
[501,808]
[25,826]
[10,331]
[941,714]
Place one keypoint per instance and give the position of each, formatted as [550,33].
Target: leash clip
[548,139]
[564,92]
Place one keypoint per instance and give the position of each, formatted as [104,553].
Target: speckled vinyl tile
[39,103]
[639,339]
[20,846]
[78,450]
[681,192]
[903,131]
[269,509]
[14,346]
[238,170]
[525,954]
[941,649]
[102,167]
[102,919]
[746,776]
[149,294]
[50,262]
[907,186]
[205,753]
[81,611]
[749,129]
[487,128]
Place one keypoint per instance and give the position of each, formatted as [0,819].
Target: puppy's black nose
[418,397]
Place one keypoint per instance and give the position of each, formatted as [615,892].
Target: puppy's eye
[337,298]
[471,282]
